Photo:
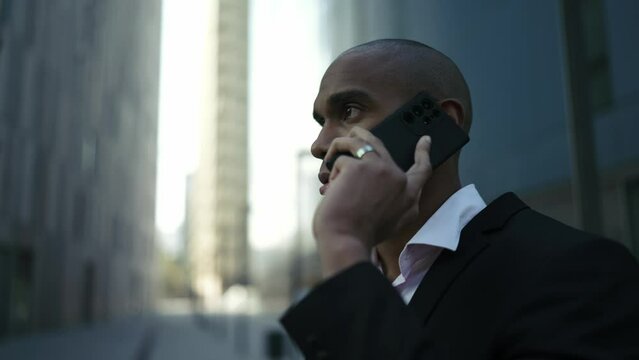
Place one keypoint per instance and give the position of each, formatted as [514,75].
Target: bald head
[415,67]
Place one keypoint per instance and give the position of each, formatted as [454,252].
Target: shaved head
[415,67]
[361,88]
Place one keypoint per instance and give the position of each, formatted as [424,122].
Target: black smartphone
[420,116]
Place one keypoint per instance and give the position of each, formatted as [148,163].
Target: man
[418,267]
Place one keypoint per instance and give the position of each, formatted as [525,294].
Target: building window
[632,203]
[79,215]
[595,41]
[16,288]
[5,11]
[88,293]
[5,171]
[5,290]
[22,289]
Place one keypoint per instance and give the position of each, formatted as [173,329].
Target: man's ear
[455,110]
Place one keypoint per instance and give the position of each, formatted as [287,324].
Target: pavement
[160,337]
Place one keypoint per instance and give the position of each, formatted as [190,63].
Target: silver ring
[363,151]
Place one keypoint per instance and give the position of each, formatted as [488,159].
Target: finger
[339,145]
[422,169]
[341,163]
[369,138]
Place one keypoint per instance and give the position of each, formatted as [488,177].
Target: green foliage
[174,276]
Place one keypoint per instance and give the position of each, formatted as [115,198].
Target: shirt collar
[441,230]
[444,227]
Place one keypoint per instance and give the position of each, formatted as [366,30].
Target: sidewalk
[186,337]
[118,340]
[160,337]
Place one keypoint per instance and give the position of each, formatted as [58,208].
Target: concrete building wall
[78,124]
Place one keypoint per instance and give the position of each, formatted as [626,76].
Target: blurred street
[159,337]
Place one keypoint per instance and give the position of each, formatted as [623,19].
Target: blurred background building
[218,240]
[534,132]
[78,122]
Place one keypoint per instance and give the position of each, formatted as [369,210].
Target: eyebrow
[343,97]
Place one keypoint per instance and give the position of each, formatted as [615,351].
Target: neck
[435,193]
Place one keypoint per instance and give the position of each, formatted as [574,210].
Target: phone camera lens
[426,120]
[418,111]
[427,104]
[408,117]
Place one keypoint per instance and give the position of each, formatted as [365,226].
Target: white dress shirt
[441,231]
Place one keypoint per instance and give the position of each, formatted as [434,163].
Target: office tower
[78,123]
[218,244]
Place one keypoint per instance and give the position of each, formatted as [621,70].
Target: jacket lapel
[472,242]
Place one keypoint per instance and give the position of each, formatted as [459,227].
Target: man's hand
[367,201]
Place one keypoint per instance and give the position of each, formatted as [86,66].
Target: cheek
[330,132]
[369,122]
[372,123]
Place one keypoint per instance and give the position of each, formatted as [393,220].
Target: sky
[285,66]
[179,106]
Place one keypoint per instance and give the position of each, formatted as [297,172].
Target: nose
[323,142]
[318,149]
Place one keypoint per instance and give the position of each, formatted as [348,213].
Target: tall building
[218,243]
[78,123]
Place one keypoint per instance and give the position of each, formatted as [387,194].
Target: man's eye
[351,112]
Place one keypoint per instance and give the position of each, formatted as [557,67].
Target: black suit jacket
[520,286]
